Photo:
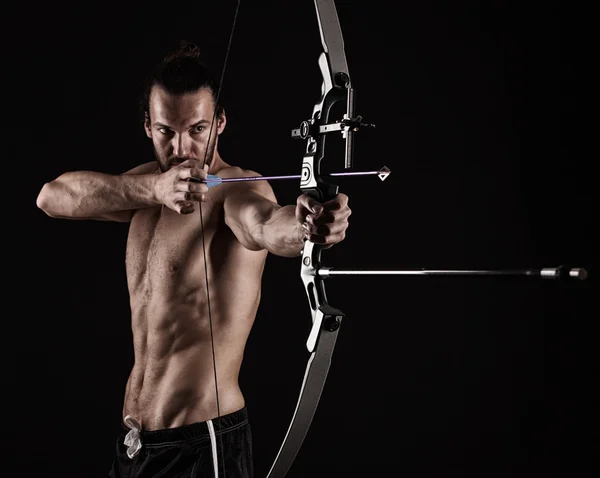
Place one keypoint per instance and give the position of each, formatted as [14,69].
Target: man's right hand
[180,187]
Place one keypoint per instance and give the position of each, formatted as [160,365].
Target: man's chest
[163,244]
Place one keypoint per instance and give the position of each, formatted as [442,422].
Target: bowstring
[208,148]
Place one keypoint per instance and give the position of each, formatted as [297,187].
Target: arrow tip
[383,173]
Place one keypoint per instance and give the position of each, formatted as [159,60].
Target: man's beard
[168,163]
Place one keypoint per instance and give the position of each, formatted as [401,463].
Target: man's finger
[184,207]
[317,230]
[319,219]
[337,203]
[336,227]
[325,240]
[182,197]
[309,203]
[192,173]
[192,187]
[316,238]
[198,197]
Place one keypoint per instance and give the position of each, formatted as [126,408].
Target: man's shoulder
[237,172]
[260,187]
[150,167]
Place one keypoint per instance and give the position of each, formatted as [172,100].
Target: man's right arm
[99,196]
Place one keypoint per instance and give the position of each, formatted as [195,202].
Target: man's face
[179,126]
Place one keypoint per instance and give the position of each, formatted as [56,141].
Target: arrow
[213,180]
[561,272]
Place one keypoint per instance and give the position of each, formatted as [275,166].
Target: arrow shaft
[353,173]
[545,273]
[250,178]
[214,180]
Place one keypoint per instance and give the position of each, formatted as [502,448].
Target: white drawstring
[213,442]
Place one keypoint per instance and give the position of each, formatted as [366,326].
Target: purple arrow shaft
[292,176]
[251,178]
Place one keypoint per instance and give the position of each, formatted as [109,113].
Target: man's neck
[217,164]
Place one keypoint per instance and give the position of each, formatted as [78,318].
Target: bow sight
[348,124]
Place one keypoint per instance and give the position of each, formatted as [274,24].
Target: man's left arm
[259,222]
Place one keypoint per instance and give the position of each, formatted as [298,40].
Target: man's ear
[147,127]
[221,122]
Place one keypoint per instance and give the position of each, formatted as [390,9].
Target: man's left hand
[323,223]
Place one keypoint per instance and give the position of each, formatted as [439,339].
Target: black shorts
[187,451]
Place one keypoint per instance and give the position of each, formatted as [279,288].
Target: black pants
[187,451]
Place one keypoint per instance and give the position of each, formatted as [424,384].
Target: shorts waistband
[194,430]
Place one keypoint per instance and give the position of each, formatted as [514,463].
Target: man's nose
[182,145]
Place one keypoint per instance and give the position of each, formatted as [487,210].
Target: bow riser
[315,129]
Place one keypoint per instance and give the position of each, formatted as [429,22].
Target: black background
[476,106]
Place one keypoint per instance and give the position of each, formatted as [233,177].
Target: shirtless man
[171,413]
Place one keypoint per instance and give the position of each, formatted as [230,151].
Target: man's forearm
[84,194]
[282,234]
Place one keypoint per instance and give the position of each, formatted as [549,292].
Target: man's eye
[198,129]
[163,130]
